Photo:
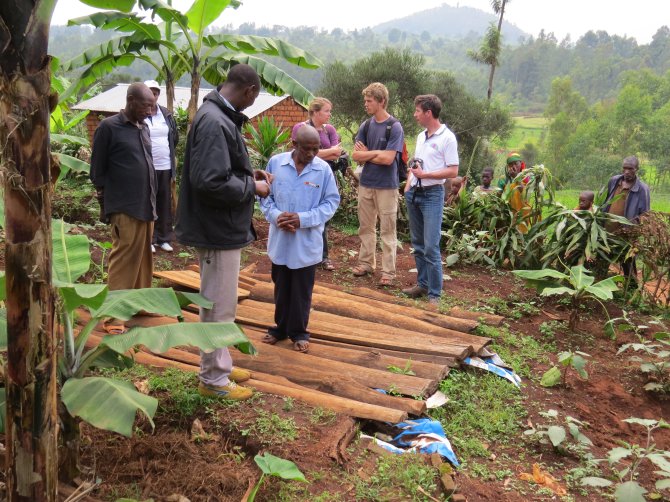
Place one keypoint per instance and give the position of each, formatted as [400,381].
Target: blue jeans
[424,208]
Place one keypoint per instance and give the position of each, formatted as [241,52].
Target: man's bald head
[307,134]
[306,146]
[139,101]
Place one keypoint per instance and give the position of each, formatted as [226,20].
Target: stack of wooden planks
[361,341]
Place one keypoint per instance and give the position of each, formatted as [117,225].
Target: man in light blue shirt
[302,199]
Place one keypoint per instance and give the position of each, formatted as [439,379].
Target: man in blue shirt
[378,189]
[303,197]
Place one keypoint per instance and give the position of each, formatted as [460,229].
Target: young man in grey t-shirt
[378,189]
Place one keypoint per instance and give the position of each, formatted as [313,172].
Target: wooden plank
[319,378]
[339,302]
[485,317]
[343,387]
[370,359]
[335,403]
[357,332]
[380,314]
[286,388]
[451,362]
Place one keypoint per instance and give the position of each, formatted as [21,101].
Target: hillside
[450,23]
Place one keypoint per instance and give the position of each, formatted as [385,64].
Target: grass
[517,349]
[271,429]
[397,477]
[180,386]
[482,408]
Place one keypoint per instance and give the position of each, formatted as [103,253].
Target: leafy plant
[565,437]
[103,402]
[275,466]
[658,368]
[574,360]
[482,229]
[577,283]
[574,237]
[266,140]
[627,489]
[182,45]
[407,370]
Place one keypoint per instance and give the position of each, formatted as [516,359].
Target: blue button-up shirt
[313,195]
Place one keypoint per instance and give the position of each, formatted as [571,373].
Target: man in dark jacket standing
[123,173]
[629,197]
[216,204]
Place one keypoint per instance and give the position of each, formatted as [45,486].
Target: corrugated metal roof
[114,99]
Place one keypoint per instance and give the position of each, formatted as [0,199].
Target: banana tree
[103,402]
[62,122]
[180,45]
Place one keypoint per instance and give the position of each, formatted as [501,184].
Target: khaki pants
[379,203]
[130,260]
[219,274]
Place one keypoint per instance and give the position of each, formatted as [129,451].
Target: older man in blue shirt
[302,199]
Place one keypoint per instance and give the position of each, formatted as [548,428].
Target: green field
[526,130]
[659,201]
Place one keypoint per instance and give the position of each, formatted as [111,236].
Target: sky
[639,19]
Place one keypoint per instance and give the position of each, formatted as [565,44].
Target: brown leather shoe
[415,292]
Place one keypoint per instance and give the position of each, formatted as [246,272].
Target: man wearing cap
[164,138]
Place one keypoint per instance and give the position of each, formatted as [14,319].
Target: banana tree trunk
[169,93]
[195,91]
[71,438]
[31,423]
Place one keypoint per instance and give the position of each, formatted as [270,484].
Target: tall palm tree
[489,51]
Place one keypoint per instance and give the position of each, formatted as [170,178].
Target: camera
[415,164]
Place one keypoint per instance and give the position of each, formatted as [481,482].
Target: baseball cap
[152,84]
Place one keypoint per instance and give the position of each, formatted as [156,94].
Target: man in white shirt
[435,160]
[164,138]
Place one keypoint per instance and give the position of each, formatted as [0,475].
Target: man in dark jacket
[216,204]
[629,197]
[125,181]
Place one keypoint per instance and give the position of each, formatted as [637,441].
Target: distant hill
[450,22]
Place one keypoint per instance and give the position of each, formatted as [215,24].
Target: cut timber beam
[451,362]
[358,332]
[335,403]
[381,314]
[370,359]
[339,302]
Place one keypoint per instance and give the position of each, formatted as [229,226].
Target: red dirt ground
[166,462]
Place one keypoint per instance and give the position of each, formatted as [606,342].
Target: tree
[30,378]
[181,45]
[489,52]
[402,72]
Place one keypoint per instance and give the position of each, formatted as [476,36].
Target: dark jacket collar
[238,118]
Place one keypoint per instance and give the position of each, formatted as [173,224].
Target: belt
[421,188]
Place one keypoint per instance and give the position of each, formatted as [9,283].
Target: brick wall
[93,120]
[287,112]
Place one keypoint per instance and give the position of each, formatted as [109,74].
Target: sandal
[360,271]
[301,346]
[115,329]
[269,339]
[385,282]
[327,265]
